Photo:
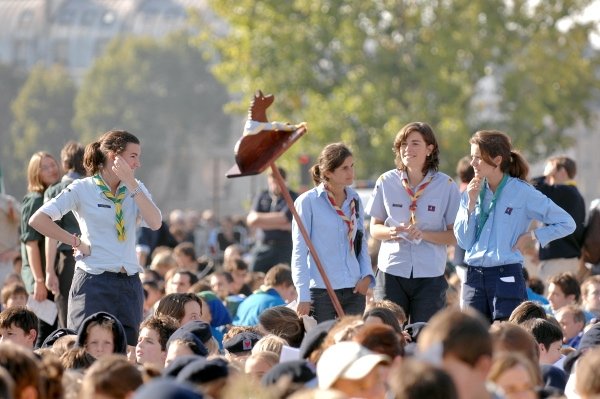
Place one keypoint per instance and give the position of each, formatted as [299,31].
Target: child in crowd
[152,341]
[13,294]
[19,325]
[102,334]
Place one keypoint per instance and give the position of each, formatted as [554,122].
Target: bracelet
[136,191]
[75,238]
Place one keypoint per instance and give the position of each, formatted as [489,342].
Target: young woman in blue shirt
[332,215]
[492,225]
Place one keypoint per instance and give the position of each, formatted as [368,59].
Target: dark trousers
[494,291]
[115,293]
[420,298]
[65,267]
[322,308]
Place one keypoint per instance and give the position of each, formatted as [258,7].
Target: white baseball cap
[348,360]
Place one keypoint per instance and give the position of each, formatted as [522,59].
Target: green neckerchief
[117,200]
[484,214]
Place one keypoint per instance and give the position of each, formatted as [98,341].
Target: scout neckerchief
[414,196]
[348,220]
[117,200]
[484,214]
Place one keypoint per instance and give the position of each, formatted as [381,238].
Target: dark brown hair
[71,157]
[433,160]
[113,141]
[493,143]
[331,158]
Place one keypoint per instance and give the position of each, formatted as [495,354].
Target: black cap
[553,377]
[242,342]
[56,334]
[199,328]
[195,344]
[299,370]
[315,337]
[166,388]
[202,371]
[173,369]
[415,329]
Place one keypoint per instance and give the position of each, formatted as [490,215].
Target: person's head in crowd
[232,253]
[202,331]
[381,315]
[15,277]
[256,281]
[24,368]
[381,338]
[183,307]
[239,272]
[57,334]
[314,341]
[343,330]
[465,172]
[549,337]
[51,371]
[461,342]
[239,346]
[354,370]
[391,305]
[517,376]
[587,382]
[219,284]
[284,322]
[272,182]
[563,289]
[185,256]
[111,377]
[63,344]
[259,363]
[269,343]
[536,285]
[71,157]
[152,341]
[177,364]
[415,379]
[560,169]
[210,376]
[76,359]
[509,337]
[286,378]
[102,334]
[19,325]
[13,294]
[213,310]
[590,294]
[184,344]
[42,172]
[279,277]
[572,321]
[162,262]
[181,281]
[152,294]
[527,310]
[7,384]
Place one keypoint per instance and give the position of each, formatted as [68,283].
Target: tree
[358,71]
[162,92]
[42,113]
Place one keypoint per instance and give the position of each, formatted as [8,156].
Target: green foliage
[359,71]
[162,92]
[42,113]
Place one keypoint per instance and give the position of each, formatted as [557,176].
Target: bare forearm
[35,259]
[46,226]
[50,251]
[440,237]
[378,230]
[149,211]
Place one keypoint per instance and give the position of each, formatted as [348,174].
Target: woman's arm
[35,263]
[46,226]
[148,209]
[440,237]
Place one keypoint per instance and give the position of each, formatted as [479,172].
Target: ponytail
[518,166]
[93,158]
[315,173]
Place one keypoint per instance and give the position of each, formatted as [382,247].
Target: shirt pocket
[510,214]
[430,212]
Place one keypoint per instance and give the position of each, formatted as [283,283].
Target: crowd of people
[431,289]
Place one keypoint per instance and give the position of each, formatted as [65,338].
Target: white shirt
[96,217]
[436,209]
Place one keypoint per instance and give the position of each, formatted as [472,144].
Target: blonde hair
[34,172]
[269,343]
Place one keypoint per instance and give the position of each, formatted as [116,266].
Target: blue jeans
[494,291]
[322,308]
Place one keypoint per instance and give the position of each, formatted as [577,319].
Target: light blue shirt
[96,217]
[436,210]
[329,235]
[517,206]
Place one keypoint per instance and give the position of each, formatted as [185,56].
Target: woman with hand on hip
[492,224]
[107,206]
[331,214]
[412,210]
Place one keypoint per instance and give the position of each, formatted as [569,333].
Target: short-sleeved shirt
[31,203]
[95,214]
[68,222]
[436,209]
[264,203]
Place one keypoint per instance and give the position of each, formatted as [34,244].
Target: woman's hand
[84,249]
[362,287]
[52,282]
[124,172]
[303,308]
[40,293]
[414,233]
[473,190]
